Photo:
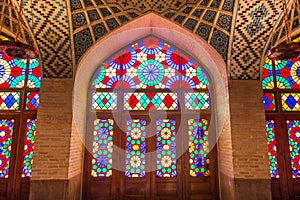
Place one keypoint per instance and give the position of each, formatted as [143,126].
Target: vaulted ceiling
[239,30]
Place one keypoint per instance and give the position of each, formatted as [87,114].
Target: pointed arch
[209,59]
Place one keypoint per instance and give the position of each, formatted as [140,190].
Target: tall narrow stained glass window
[272,148]
[135,148]
[152,76]
[102,148]
[6,134]
[28,148]
[166,148]
[198,147]
[293,127]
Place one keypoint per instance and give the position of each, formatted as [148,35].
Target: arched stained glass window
[281,85]
[150,75]
[19,101]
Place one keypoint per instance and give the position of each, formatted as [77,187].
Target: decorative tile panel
[199,17]
[51,29]
[93,19]
[252,29]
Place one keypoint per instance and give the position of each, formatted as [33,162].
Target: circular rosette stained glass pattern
[28,148]
[150,72]
[150,63]
[267,75]
[108,75]
[198,147]
[166,148]
[129,58]
[102,148]
[293,127]
[192,75]
[288,74]
[272,148]
[34,74]
[6,132]
[12,72]
[135,148]
[151,45]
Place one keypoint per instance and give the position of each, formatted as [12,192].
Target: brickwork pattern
[249,142]
[76,153]
[54,124]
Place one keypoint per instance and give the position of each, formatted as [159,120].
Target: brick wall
[54,120]
[76,153]
[250,154]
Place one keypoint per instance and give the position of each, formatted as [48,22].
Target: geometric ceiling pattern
[209,19]
[51,29]
[238,30]
[253,28]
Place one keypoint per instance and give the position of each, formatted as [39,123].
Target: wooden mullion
[20,138]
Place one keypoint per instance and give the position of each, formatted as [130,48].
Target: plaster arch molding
[153,24]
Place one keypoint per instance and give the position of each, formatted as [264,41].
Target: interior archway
[170,32]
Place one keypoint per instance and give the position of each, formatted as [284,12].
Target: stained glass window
[151,76]
[32,100]
[135,148]
[108,75]
[272,148]
[192,75]
[166,148]
[28,148]
[294,142]
[104,101]
[290,101]
[197,101]
[150,63]
[19,92]
[269,101]
[267,75]
[198,147]
[6,133]
[281,84]
[102,148]
[34,74]
[288,73]
[9,100]
[12,72]
[151,101]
